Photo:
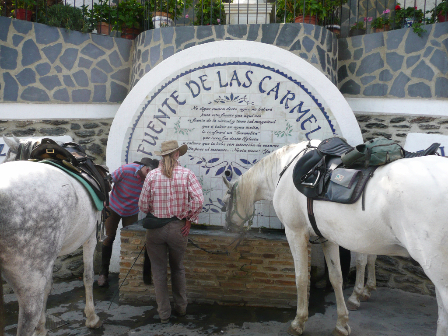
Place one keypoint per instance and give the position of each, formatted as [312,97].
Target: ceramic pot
[383,29]
[308,19]
[161,19]
[103,28]
[357,31]
[23,14]
[335,29]
[130,33]
[442,17]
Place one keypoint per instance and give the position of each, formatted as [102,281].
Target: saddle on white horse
[338,172]
[71,156]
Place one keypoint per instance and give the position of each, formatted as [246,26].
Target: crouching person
[128,182]
[172,198]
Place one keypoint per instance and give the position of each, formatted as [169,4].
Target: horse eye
[227,173]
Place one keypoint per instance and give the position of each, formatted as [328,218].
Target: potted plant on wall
[66,16]
[359,27]
[165,11]
[129,18]
[381,23]
[23,9]
[209,12]
[410,17]
[103,15]
[312,11]
[440,12]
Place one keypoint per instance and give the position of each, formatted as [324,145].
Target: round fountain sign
[231,112]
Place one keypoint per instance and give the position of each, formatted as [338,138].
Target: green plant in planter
[130,14]
[68,17]
[439,11]
[361,24]
[103,11]
[318,8]
[206,9]
[175,8]
[410,13]
[28,5]
[381,21]
[24,4]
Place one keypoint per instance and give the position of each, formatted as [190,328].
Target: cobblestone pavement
[389,312]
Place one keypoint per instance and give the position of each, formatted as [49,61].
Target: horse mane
[270,164]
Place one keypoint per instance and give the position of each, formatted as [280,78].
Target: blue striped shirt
[126,191]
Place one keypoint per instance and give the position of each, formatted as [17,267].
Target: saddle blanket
[98,203]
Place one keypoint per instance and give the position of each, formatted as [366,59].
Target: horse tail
[2,312]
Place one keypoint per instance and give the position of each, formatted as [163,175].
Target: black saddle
[73,157]
[313,171]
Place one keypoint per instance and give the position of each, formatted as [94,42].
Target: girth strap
[309,206]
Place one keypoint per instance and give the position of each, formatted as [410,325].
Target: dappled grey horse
[44,213]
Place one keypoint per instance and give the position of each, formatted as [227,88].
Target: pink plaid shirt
[179,196]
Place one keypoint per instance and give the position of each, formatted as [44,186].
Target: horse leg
[371,278]
[298,243]
[93,321]
[353,301]
[40,329]
[2,313]
[29,286]
[442,303]
[331,252]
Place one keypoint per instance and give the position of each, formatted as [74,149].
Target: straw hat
[170,146]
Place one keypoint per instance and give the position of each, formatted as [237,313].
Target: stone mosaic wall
[312,43]
[90,134]
[404,274]
[42,64]
[397,127]
[395,64]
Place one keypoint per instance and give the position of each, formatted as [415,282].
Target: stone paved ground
[390,312]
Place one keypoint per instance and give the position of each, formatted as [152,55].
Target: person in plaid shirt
[170,191]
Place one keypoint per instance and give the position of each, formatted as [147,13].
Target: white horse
[44,213]
[405,215]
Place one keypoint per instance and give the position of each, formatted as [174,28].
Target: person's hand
[186,228]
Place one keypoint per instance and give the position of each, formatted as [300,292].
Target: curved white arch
[315,80]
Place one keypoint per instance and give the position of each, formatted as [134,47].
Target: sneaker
[164,321]
[102,281]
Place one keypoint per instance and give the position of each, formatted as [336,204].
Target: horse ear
[227,183]
[12,143]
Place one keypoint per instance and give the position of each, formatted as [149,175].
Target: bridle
[233,210]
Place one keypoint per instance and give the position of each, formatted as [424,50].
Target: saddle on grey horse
[71,156]
[338,172]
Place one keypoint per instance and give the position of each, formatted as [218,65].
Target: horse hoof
[94,325]
[345,331]
[364,297]
[352,306]
[293,332]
